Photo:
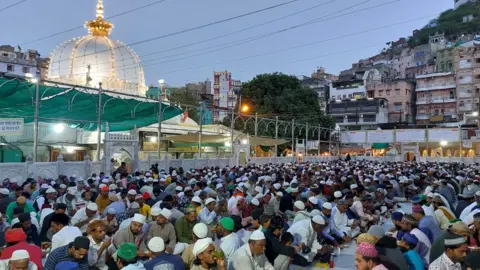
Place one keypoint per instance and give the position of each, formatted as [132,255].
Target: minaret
[99,27]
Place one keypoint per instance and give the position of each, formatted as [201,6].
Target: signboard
[444,134]
[467,144]
[353,137]
[11,126]
[380,136]
[410,135]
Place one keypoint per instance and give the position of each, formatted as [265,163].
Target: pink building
[436,98]
[398,93]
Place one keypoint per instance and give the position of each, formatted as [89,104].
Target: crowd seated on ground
[271,216]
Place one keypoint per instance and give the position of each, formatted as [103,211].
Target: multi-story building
[364,113]
[445,60]
[401,62]
[351,89]
[200,87]
[321,74]
[436,98]
[224,91]
[320,86]
[467,64]
[399,95]
[18,63]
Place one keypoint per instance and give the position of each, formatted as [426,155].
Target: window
[10,68]
[397,106]
[5,54]
[388,92]
[397,92]
[26,70]
[450,66]
[452,95]
[442,66]
[477,60]
[380,93]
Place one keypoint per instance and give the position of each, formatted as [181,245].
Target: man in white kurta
[251,256]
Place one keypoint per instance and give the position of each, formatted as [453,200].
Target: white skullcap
[112,187]
[20,254]
[166,213]
[101,186]
[322,182]
[477,193]
[200,230]
[246,184]
[319,220]
[197,193]
[179,188]
[431,195]
[155,211]
[353,186]
[63,186]
[337,194]
[313,200]
[300,205]
[72,190]
[286,184]
[132,192]
[219,186]
[257,235]
[156,244]
[315,212]
[50,190]
[327,205]
[139,218]
[92,207]
[258,189]
[255,202]
[294,189]
[196,199]
[4,191]
[201,245]
[187,189]
[368,180]
[111,211]
[280,194]
[105,180]
[209,200]
[44,186]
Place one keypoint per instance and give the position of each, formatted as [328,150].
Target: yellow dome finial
[99,27]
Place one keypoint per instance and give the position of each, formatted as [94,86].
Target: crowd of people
[249,217]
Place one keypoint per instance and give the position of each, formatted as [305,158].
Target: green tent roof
[78,107]
[380,145]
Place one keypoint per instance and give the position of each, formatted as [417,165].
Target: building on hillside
[363,113]
[353,89]
[399,95]
[320,86]
[445,60]
[18,63]
[436,99]
[467,63]
[401,62]
[321,74]
[200,87]
[225,91]
[462,2]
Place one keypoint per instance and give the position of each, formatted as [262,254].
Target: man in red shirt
[15,239]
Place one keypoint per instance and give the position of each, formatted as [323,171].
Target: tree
[281,95]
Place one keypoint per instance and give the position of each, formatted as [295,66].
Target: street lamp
[475,114]
[443,143]
[58,128]
[245,108]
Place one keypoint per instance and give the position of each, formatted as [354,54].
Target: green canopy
[380,145]
[78,107]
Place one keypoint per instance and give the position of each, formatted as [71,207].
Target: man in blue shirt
[76,251]
[160,257]
[427,224]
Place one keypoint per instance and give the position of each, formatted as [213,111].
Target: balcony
[434,100]
[422,116]
[465,108]
[435,86]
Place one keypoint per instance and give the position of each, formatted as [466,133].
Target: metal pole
[461,142]
[306,139]
[319,138]
[201,130]
[35,126]
[232,127]
[256,130]
[276,136]
[330,142]
[160,118]
[293,135]
[99,121]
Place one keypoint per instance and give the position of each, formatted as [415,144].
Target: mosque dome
[95,58]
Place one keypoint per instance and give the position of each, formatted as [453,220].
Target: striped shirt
[61,255]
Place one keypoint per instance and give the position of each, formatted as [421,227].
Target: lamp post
[201,130]
[160,116]
[99,121]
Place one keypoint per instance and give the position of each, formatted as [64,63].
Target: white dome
[95,58]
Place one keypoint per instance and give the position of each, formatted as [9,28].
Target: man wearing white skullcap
[163,229]
[111,221]
[251,256]
[200,231]
[83,216]
[161,259]
[20,260]
[305,233]
[300,212]
[208,213]
[131,234]
[203,251]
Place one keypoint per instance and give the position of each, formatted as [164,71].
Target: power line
[81,26]
[13,5]
[247,40]
[193,28]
